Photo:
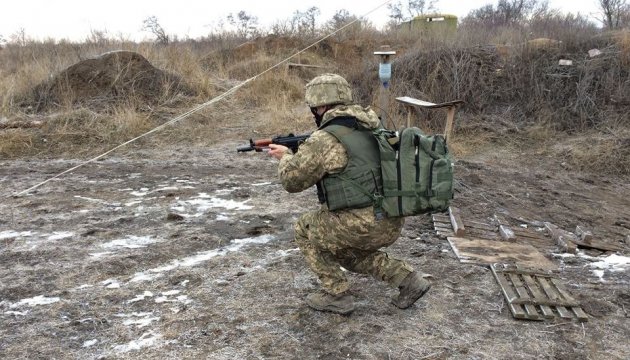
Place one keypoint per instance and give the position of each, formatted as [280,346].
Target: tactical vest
[355,186]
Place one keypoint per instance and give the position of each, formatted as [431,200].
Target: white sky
[74,20]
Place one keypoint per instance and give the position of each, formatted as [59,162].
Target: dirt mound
[113,78]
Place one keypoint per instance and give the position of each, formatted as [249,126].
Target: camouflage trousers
[351,239]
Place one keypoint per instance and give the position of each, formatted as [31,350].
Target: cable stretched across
[203,105]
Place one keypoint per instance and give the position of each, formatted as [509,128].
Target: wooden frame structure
[449,106]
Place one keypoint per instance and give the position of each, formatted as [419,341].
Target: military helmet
[328,89]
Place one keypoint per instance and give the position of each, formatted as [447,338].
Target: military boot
[410,290]
[339,304]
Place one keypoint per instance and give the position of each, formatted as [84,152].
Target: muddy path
[188,253]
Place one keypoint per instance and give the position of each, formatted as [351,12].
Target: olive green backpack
[417,173]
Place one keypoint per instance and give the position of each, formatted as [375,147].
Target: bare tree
[306,21]
[613,12]
[506,12]
[412,8]
[152,25]
[246,24]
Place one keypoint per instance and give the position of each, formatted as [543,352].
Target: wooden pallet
[533,295]
[444,228]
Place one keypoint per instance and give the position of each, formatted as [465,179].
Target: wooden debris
[486,252]
[584,235]
[506,233]
[504,229]
[564,239]
[535,295]
[456,221]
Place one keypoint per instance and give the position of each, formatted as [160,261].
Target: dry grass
[510,99]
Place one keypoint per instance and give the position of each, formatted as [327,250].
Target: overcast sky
[75,20]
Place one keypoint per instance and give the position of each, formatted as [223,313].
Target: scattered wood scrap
[456,221]
[564,239]
[444,228]
[486,252]
[534,295]
[569,241]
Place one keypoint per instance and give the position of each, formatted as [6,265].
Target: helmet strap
[318,117]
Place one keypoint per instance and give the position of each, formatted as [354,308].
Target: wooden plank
[562,238]
[506,233]
[307,66]
[532,313]
[448,128]
[580,314]
[442,227]
[467,223]
[599,245]
[529,234]
[482,251]
[584,235]
[456,221]
[538,295]
[554,295]
[516,310]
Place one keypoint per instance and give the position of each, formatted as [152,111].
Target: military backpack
[417,173]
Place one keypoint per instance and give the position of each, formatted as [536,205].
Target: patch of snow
[142,322]
[262,184]
[16,313]
[166,188]
[100,254]
[284,253]
[132,203]
[223,191]
[141,192]
[613,262]
[37,300]
[58,235]
[141,297]
[130,242]
[111,283]
[171,292]
[13,234]
[222,217]
[190,261]
[147,339]
[89,343]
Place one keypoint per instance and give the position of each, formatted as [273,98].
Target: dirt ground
[187,252]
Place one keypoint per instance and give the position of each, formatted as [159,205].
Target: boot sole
[412,298]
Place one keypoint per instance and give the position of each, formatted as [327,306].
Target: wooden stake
[456,221]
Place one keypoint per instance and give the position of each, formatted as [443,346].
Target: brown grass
[510,99]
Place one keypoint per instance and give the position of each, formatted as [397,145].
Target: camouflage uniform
[350,238]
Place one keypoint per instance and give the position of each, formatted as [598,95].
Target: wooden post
[456,221]
[450,116]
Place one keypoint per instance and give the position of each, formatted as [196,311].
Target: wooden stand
[450,107]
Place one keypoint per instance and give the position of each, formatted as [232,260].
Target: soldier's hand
[277,151]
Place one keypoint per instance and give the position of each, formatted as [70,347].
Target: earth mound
[113,78]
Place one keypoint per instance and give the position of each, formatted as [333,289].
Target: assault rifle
[291,141]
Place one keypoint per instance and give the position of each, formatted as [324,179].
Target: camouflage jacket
[322,153]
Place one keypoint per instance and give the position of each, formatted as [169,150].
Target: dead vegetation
[103,92]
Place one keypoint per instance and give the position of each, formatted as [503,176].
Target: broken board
[533,295]
[486,252]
